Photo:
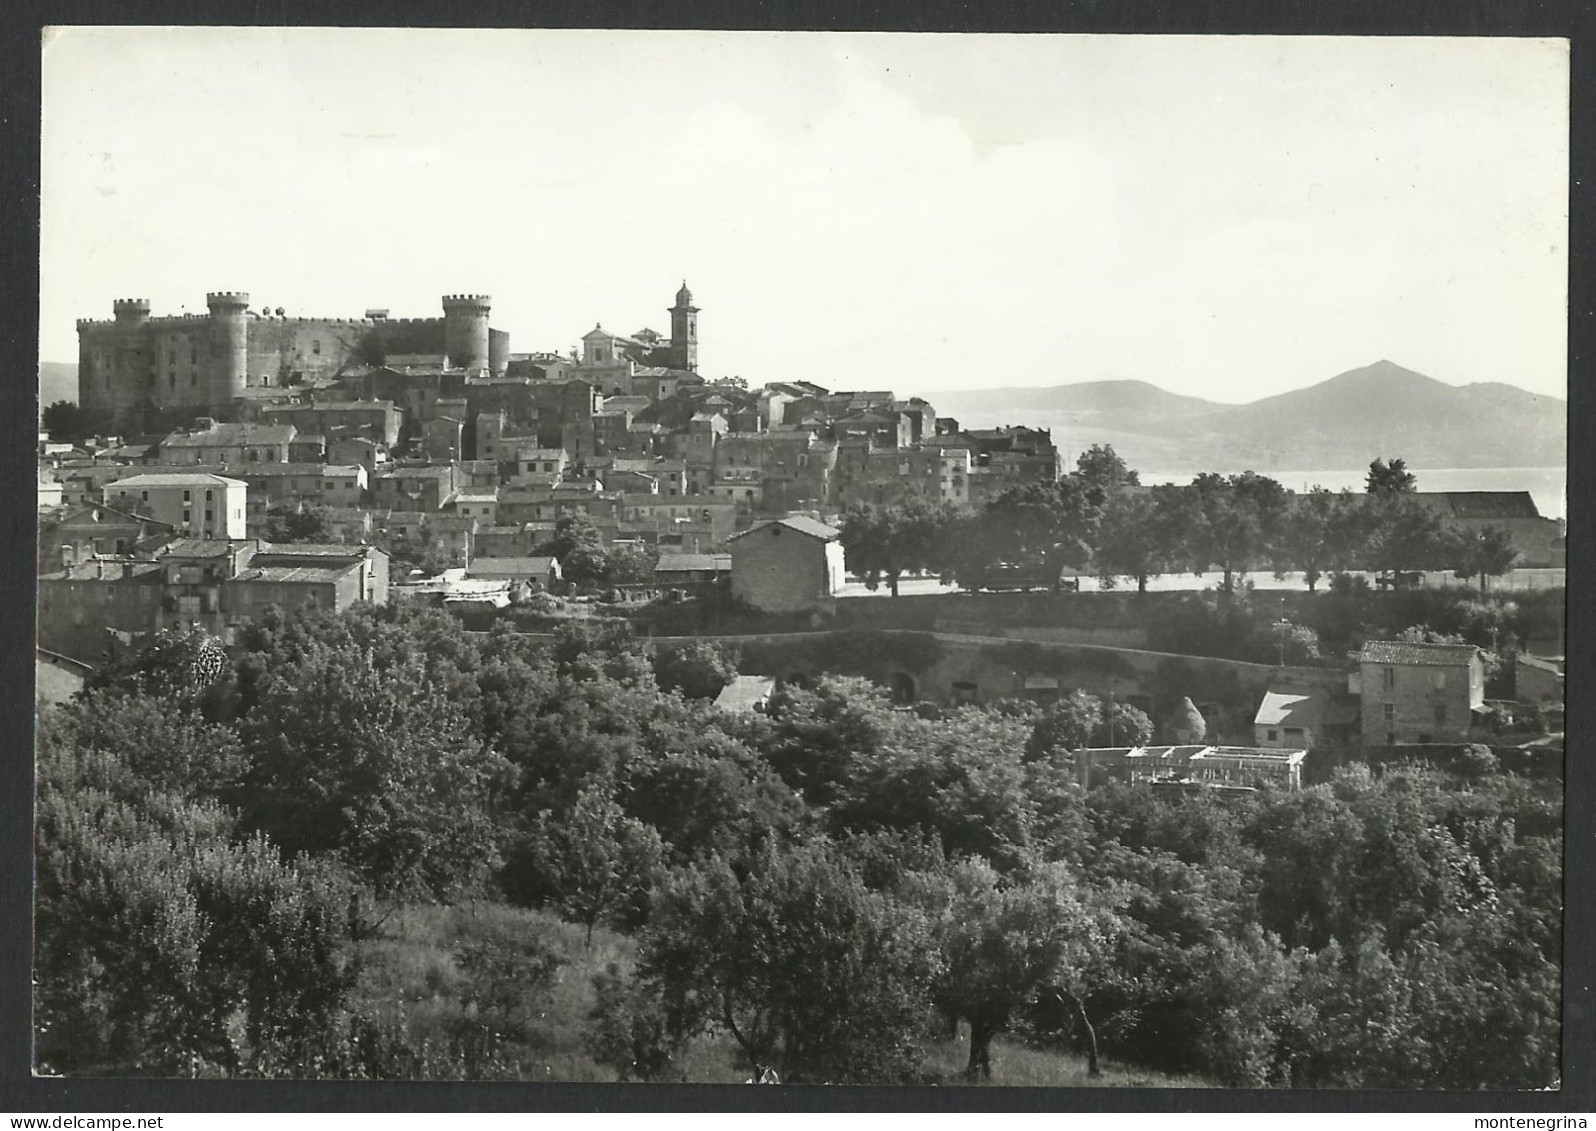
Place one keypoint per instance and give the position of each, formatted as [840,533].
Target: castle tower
[684,330]
[465,330]
[229,352]
[132,365]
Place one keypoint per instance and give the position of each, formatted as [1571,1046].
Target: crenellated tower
[684,330]
[465,330]
[229,345]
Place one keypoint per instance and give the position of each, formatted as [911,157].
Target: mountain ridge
[1381,409]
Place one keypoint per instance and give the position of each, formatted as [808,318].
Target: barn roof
[799,523]
[1422,655]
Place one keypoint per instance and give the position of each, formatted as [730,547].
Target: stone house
[787,565]
[1415,693]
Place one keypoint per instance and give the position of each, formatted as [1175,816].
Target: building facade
[1416,693]
[787,565]
[195,504]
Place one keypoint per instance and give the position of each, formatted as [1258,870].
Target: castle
[135,370]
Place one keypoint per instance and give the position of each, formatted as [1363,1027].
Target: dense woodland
[236,856]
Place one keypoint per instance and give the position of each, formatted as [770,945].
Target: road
[1515,580]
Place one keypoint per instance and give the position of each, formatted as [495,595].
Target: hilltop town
[222,464]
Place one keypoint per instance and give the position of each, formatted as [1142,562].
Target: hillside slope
[1378,410]
[58,381]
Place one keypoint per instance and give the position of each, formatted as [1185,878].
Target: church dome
[684,297]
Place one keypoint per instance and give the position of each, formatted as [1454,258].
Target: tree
[1132,541]
[788,951]
[699,670]
[180,663]
[1320,531]
[1102,472]
[884,542]
[165,940]
[1080,720]
[631,1029]
[629,565]
[1040,526]
[592,860]
[1237,522]
[1004,944]
[374,765]
[66,422]
[1407,535]
[1485,552]
[1390,478]
[163,745]
[286,522]
[579,548]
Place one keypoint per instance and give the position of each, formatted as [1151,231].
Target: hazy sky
[1225,217]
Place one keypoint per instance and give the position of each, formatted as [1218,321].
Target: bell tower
[684,330]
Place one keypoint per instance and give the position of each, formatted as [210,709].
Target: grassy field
[411,976]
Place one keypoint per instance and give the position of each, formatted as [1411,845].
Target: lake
[1547,485]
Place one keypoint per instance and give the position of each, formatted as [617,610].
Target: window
[1388,710]
[1274,736]
[209,495]
[188,496]
[1388,678]
[1438,680]
[315,347]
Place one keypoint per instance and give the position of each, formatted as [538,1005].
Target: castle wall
[282,351]
[409,335]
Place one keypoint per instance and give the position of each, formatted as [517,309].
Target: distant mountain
[1379,410]
[58,381]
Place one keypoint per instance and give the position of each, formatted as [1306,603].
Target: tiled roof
[106,571]
[798,523]
[1492,504]
[510,567]
[178,479]
[330,406]
[1424,655]
[227,434]
[278,470]
[203,547]
[687,563]
[314,549]
[295,574]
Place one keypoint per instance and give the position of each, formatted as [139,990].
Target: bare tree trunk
[981,1034]
[1091,1038]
